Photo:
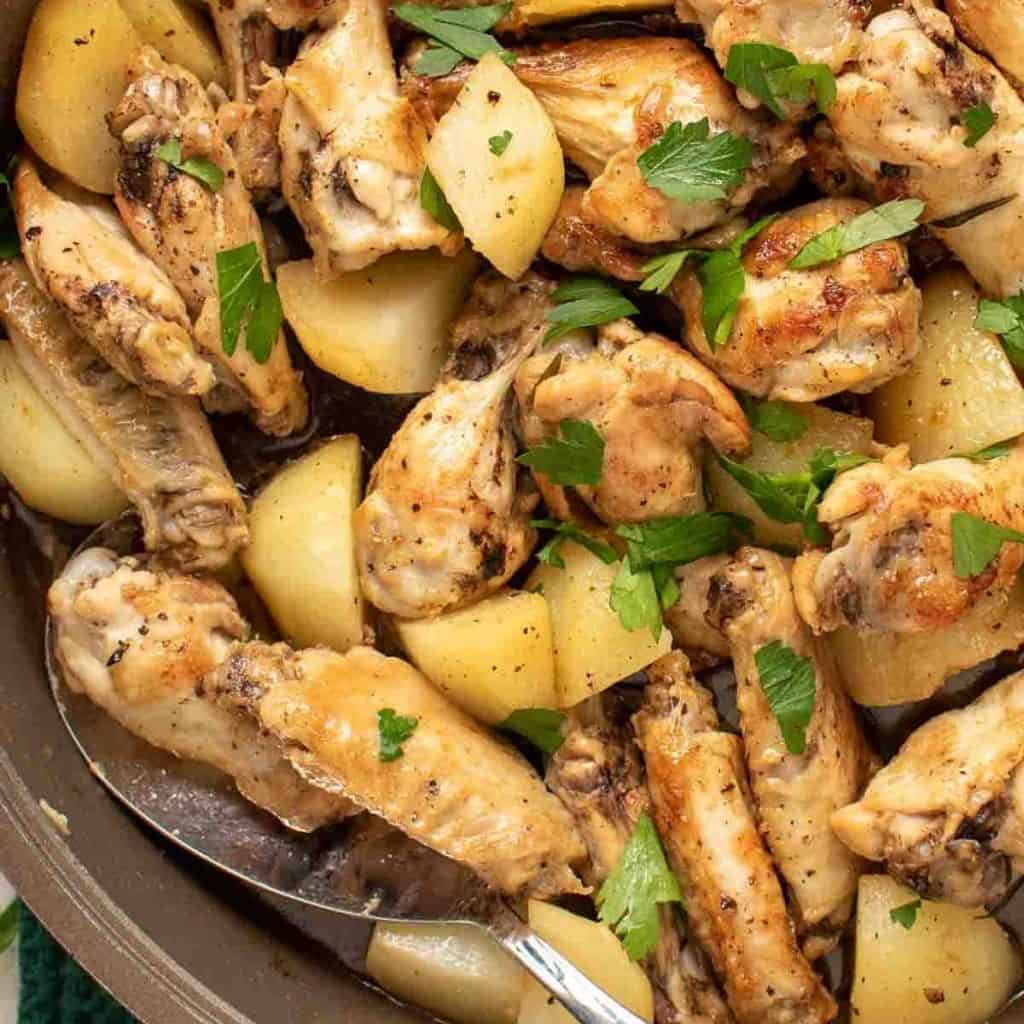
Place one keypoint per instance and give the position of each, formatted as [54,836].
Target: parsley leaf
[585,302]
[9,921]
[550,553]
[787,680]
[461,32]
[574,459]
[978,120]
[906,915]
[499,143]
[10,245]
[541,726]
[976,543]
[437,60]
[991,453]
[890,220]
[661,271]
[247,300]
[770,73]
[1005,318]
[394,730]
[433,200]
[628,900]
[678,540]
[635,598]
[692,165]
[778,421]
[198,167]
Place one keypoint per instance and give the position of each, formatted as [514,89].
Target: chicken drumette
[995,27]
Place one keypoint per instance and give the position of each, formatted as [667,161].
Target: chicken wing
[687,619]
[183,224]
[610,99]
[138,640]
[994,27]
[946,814]
[703,811]
[353,149]
[802,335]
[652,403]
[114,296]
[751,601]
[891,563]
[455,788]
[159,451]
[446,518]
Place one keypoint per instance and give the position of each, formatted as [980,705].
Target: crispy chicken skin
[598,774]
[113,295]
[687,619]
[946,816]
[704,813]
[138,640]
[802,335]
[993,27]
[891,563]
[354,149]
[751,601]
[182,225]
[610,99]
[159,451]
[899,120]
[652,403]
[456,788]
[446,518]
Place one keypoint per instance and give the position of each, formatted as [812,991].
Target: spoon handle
[573,989]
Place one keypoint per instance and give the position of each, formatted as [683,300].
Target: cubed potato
[827,429]
[301,555]
[593,649]
[540,12]
[505,202]
[961,394]
[181,34]
[49,469]
[593,948]
[492,658]
[72,76]
[880,669]
[384,328]
[954,966]
[454,970]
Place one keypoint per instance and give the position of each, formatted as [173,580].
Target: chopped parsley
[433,200]
[991,453]
[457,33]
[9,921]
[662,270]
[10,245]
[906,915]
[198,167]
[772,74]
[640,596]
[586,301]
[978,120]
[394,730]
[976,543]
[890,220]
[778,421]
[499,143]
[551,552]
[247,300]
[574,459]
[787,680]
[541,726]
[1005,318]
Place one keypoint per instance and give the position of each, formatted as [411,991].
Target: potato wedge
[181,34]
[491,658]
[384,328]
[301,555]
[954,966]
[595,950]
[961,394]
[72,76]
[593,649]
[505,202]
[454,970]
[540,12]
[49,469]
[827,429]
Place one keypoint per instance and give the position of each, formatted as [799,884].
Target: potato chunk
[961,394]
[593,649]
[454,970]
[505,202]
[597,953]
[492,658]
[72,76]
[181,35]
[301,556]
[540,12]
[953,966]
[384,328]
[49,469]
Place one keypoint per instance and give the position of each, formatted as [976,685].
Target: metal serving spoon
[200,810]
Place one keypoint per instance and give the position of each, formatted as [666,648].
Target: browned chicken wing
[994,27]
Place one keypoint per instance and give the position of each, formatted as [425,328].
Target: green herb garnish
[541,726]
[247,300]
[574,459]
[458,33]
[198,167]
[778,421]
[499,143]
[433,200]
[787,680]
[771,74]
[1005,318]
[978,120]
[394,730]
[551,552]
[890,220]
[586,302]
[905,916]
[976,543]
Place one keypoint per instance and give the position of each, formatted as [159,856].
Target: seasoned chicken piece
[598,774]
[946,814]
[114,296]
[610,99]
[652,403]
[446,517]
[454,788]
[899,120]
[138,640]
[353,149]
[182,224]
[251,129]
[891,563]
[802,335]
[703,810]
[994,27]
[687,619]
[159,451]
[751,601]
